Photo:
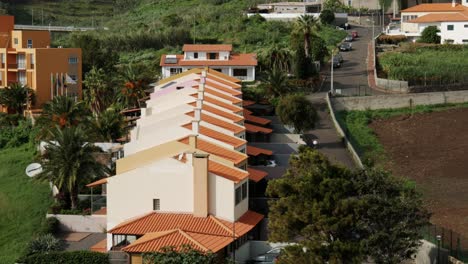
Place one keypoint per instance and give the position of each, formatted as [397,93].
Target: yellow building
[27,58]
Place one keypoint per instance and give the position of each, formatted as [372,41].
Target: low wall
[397,100]
[391,85]
[81,223]
[340,131]
[427,254]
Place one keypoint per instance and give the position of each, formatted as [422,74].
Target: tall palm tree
[16,97]
[307,25]
[276,82]
[134,88]
[69,161]
[63,111]
[276,56]
[97,95]
[110,124]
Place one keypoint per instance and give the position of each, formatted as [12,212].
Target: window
[30,44]
[218,70]
[174,71]
[450,27]
[156,205]
[15,40]
[73,60]
[465,41]
[241,193]
[466,25]
[212,56]
[195,55]
[31,58]
[22,77]
[240,72]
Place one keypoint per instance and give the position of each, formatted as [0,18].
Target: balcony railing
[242,78]
[22,65]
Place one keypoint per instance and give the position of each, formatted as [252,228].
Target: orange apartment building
[27,58]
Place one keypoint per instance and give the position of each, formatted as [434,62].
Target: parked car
[271,163]
[339,56]
[354,34]
[346,46]
[349,38]
[336,62]
[270,257]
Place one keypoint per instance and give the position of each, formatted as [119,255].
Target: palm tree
[97,94]
[307,25]
[276,56]
[134,88]
[63,111]
[110,124]
[16,97]
[276,82]
[69,161]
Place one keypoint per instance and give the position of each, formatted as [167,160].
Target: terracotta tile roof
[256,175]
[235,118]
[207,47]
[224,96]
[98,182]
[102,211]
[247,103]
[254,151]
[210,225]
[220,123]
[100,246]
[177,238]
[231,81]
[436,7]
[228,154]
[234,108]
[450,17]
[232,174]
[231,91]
[231,140]
[226,77]
[244,59]
[255,129]
[247,112]
[256,119]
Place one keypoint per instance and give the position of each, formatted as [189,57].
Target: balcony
[12,66]
[22,66]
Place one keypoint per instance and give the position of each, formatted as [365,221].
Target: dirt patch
[432,150]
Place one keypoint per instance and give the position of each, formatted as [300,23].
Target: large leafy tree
[307,25]
[343,216]
[69,161]
[295,110]
[429,35]
[16,97]
[327,17]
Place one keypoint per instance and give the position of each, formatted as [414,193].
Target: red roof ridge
[223,225]
[182,232]
[131,220]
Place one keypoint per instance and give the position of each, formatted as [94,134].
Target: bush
[429,35]
[327,17]
[68,257]
[50,226]
[44,243]
[386,39]
[295,110]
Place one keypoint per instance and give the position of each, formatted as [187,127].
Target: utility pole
[32,16]
[42,20]
[332,91]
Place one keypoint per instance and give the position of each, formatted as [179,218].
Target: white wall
[221,197]
[131,194]
[224,69]
[81,223]
[458,34]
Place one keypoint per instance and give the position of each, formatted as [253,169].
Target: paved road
[351,78]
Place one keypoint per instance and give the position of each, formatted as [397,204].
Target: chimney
[200,184]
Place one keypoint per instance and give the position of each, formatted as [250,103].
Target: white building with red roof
[218,57]
[450,18]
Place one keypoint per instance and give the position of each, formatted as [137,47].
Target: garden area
[425,144]
[425,64]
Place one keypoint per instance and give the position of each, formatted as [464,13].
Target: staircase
[118,257]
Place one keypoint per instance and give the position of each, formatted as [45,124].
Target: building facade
[27,58]
[216,57]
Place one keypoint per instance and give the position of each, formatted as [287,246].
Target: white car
[271,163]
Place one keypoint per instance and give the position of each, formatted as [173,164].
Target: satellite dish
[33,169]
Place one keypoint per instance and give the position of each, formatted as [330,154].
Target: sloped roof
[207,47]
[435,7]
[97,183]
[217,122]
[159,222]
[232,99]
[228,154]
[231,91]
[247,103]
[230,173]
[449,17]
[243,59]
[256,175]
[256,129]
[231,107]
[256,119]
[254,151]
[219,112]
[231,140]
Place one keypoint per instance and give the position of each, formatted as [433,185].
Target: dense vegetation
[432,64]
[69,257]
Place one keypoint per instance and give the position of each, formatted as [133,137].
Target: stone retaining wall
[81,223]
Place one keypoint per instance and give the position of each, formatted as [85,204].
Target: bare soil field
[432,150]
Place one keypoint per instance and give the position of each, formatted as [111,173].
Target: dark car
[349,38]
[339,56]
[336,62]
[346,46]
[269,257]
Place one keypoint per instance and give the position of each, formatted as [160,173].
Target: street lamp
[438,237]
[332,90]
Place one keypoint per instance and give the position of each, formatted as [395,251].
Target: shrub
[50,226]
[327,17]
[44,243]
[69,257]
[429,35]
[295,110]
[386,39]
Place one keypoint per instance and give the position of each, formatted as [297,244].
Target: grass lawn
[355,123]
[23,203]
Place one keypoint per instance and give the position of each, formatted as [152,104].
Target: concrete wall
[81,223]
[391,85]
[398,100]
[427,254]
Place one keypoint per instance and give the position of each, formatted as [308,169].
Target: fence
[453,242]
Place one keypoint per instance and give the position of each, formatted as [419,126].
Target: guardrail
[57,28]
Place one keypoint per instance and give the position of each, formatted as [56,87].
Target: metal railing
[455,243]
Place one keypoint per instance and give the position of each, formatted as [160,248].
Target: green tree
[295,110]
[307,25]
[63,111]
[110,124]
[429,35]
[186,254]
[134,88]
[95,53]
[69,161]
[327,17]
[343,216]
[276,82]
[333,5]
[275,56]
[319,49]
[16,97]
[97,95]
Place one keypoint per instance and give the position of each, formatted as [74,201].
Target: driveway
[351,78]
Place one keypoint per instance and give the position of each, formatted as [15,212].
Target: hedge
[68,257]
